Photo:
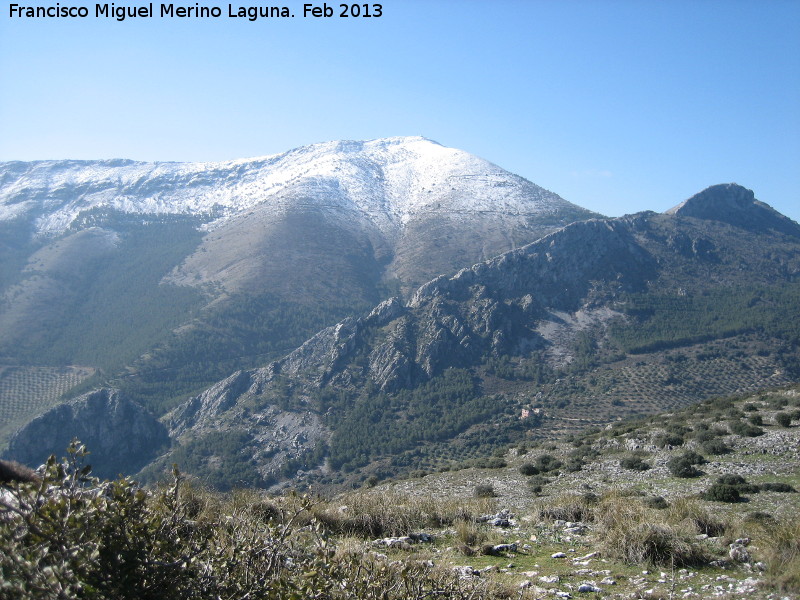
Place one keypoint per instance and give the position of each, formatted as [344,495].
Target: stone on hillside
[738,553]
[501,548]
[466,572]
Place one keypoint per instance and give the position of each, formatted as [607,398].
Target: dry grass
[630,532]
[373,514]
[690,514]
[567,507]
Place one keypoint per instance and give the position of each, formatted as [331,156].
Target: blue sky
[618,106]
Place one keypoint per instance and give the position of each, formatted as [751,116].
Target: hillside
[694,503]
[603,319]
[164,278]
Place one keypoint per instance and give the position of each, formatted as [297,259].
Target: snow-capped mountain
[107,258]
[390,182]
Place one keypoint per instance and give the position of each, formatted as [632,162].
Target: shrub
[484,491]
[739,482]
[75,536]
[663,440]
[489,462]
[694,458]
[584,452]
[783,419]
[537,483]
[546,463]
[760,518]
[778,487]
[731,479]
[704,435]
[755,419]
[528,469]
[720,492]
[715,446]
[683,466]
[634,463]
[778,402]
[573,465]
[657,502]
[745,429]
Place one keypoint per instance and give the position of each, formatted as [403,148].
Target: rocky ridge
[540,298]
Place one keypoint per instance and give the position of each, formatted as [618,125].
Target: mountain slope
[599,320]
[227,265]
[394,189]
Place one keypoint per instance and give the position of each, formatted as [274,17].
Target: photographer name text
[151,10]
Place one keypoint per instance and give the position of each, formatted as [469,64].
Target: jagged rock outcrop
[200,411]
[121,436]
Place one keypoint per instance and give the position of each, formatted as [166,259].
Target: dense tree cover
[371,426]
[245,331]
[217,458]
[662,321]
[533,368]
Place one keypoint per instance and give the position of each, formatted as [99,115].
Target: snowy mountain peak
[389,181]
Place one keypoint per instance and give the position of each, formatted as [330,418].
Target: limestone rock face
[203,409]
[120,435]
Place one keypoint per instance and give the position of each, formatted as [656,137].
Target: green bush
[783,419]
[720,492]
[664,440]
[715,446]
[528,469]
[489,462]
[483,491]
[634,463]
[745,429]
[73,536]
[739,482]
[778,402]
[778,487]
[683,466]
[546,463]
[573,465]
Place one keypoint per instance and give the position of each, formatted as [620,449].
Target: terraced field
[650,383]
[27,391]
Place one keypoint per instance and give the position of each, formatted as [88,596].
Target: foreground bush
[74,536]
